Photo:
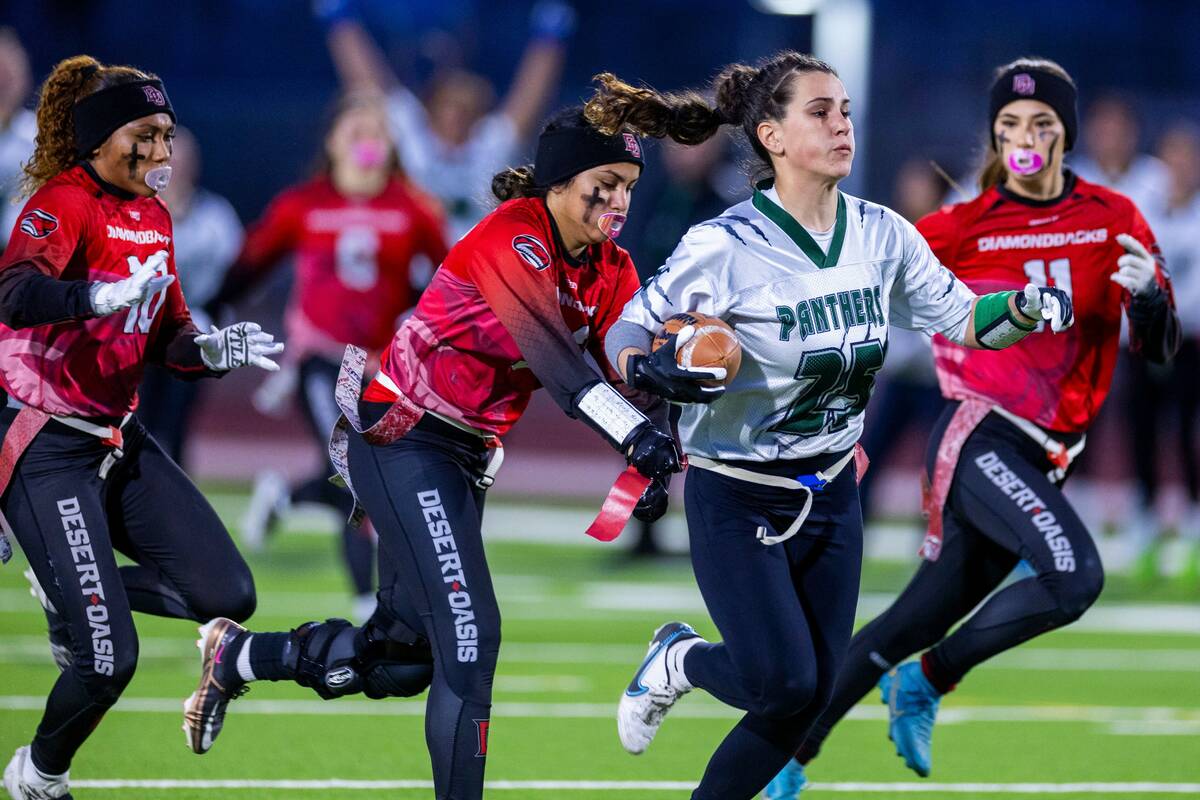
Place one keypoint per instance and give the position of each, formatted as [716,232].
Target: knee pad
[394,660]
[326,660]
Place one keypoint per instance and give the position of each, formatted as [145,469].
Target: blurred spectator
[208,236]
[18,126]
[453,144]
[357,229]
[1172,390]
[907,397]
[1111,157]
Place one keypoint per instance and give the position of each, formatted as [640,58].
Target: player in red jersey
[357,232]
[1016,417]
[88,296]
[516,304]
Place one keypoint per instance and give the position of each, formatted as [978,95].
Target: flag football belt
[805,483]
[27,424]
[401,417]
[966,419]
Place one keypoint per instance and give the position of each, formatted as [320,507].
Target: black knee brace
[395,660]
[326,660]
[384,658]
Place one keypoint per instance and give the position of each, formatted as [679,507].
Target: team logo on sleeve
[531,249]
[39,224]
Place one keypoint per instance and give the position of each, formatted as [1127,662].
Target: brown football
[714,344]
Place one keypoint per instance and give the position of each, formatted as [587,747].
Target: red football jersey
[73,229]
[506,313]
[999,241]
[353,257]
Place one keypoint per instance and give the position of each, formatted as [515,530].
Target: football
[714,344]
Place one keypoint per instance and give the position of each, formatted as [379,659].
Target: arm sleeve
[1154,327]
[525,300]
[627,284]
[410,127]
[685,282]
[45,238]
[174,345]
[927,296]
[267,240]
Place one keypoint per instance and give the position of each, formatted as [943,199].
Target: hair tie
[88,72]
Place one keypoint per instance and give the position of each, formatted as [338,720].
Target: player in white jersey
[810,279]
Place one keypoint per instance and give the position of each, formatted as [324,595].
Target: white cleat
[24,782]
[269,500]
[655,687]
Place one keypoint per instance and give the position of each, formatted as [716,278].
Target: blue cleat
[788,784]
[912,709]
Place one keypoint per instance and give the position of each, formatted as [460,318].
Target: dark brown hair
[993,172]
[71,80]
[745,96]
[513,182]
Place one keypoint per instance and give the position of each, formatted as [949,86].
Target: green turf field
[1088,714]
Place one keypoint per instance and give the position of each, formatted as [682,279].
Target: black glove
[659,373]
[652,452]
[653,502]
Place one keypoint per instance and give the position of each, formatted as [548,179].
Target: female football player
[513,307]
[88,296]
[810,279]
[358,232]
[1016,420]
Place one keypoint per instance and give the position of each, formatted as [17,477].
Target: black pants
[70,525]
[1001,508]
[318,379]
[1153,390]
[420,492]
[165,406]
[785,613]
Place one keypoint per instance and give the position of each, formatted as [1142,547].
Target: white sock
[35,776]
[675,656]
[243,661]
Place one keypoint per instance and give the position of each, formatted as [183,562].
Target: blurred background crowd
[437,97]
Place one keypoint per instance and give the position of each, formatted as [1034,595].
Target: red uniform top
[508,312]
[353,259]
[75,229]
[997,242]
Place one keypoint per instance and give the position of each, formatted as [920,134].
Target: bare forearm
[357,58]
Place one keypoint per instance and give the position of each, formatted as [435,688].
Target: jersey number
[1058,276]
[357,258]
[141,316]
[826,378]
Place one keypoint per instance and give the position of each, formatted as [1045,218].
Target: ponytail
[70,81]
[515,182]
[685,117]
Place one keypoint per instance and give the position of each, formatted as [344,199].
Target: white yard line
[652,786]
[701,708]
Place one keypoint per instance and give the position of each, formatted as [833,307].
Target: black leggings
[785,613]
[1001,508]
[318,378]
[1153,388]
[420,492]
[70,525]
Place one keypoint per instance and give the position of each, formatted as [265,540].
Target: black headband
[566,152]
[1031,83]
[101,113]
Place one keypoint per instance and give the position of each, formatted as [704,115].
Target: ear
[770,135]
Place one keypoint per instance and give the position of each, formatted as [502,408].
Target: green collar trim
[795,231]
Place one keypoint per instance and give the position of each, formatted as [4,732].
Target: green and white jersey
[812,321]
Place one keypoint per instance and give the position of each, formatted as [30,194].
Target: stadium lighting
[787,7]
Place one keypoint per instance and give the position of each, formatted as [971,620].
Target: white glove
[109,298]
[1136,270]
[1047,303]
[239,345]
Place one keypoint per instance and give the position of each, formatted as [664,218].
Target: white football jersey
[813,325]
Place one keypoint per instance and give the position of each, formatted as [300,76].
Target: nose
[619,200]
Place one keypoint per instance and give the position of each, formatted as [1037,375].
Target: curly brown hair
[744,96]
[71,80]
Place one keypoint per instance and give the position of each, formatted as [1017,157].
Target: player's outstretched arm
[550,24]
[1002,319]
[359,62]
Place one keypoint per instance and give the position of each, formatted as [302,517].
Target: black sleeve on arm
[29,297]
[1154,329]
